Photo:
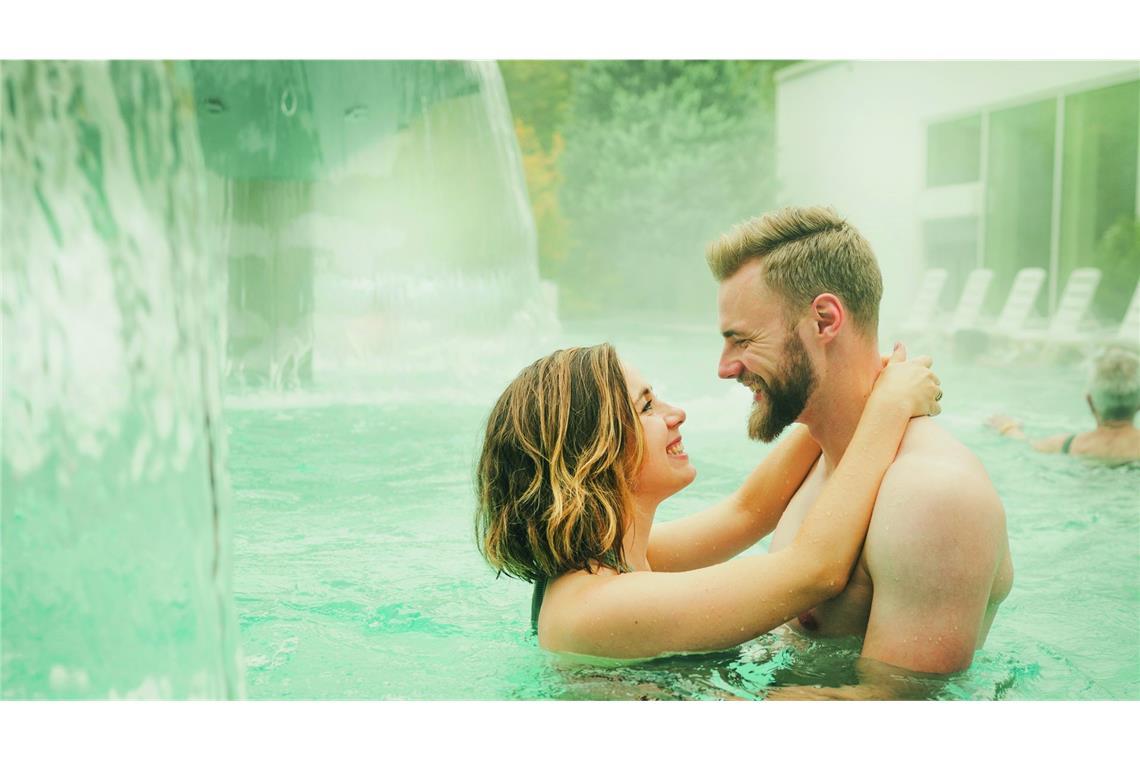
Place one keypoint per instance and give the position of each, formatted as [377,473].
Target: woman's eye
[647,407]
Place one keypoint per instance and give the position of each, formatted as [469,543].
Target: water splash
[383,210]
[115,559]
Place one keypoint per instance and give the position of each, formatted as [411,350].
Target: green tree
[539,95]
[1118,257]
[660,157]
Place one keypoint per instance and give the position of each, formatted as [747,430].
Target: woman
[578,454]
[1113,396]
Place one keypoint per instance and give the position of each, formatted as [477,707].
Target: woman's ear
[829,315]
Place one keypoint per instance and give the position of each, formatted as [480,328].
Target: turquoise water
[356,575]
[150,251]
[168,227]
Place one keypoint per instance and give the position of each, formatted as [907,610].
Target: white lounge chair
[970,303]
[1129,332]
[1022,296]
[1075,302]
[1064,326]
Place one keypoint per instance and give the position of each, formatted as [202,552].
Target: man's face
[763,352]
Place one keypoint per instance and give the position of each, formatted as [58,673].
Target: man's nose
[729,369]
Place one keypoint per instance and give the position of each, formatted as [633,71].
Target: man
[798,308]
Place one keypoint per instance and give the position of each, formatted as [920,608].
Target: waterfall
[368,206]
[168,225]
[116,571]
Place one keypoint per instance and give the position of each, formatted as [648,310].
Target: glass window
[1098,197]
[1019,195]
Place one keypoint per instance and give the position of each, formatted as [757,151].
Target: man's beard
[785,399]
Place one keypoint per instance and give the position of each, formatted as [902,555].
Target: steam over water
[256,312]
[168,228]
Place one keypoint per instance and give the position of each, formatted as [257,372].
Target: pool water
[356,574]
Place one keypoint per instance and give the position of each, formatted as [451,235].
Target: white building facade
[958,165]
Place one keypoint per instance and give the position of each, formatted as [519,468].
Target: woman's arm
[647,614]
[751,512]
[719,533]
[1011,428]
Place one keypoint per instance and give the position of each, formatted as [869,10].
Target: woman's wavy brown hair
[561,448]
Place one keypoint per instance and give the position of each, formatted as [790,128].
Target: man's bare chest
[848,612]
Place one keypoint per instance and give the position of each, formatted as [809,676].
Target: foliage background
[1117,255]
[633,167]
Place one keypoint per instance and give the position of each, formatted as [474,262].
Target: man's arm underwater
[877,681]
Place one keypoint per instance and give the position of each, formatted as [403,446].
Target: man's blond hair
[806,251]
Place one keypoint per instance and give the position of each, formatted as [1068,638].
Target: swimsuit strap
[1068,442]
[536,602]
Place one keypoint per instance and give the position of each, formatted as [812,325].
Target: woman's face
[665,467]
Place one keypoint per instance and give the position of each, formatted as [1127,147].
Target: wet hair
[1114,383]
[806,251]
[561,447]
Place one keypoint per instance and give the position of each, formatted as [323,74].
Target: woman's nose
[675,416]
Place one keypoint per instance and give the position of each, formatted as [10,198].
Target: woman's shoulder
[564,602]
[1116,448]
[578,582]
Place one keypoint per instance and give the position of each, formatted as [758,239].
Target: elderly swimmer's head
[1114,385]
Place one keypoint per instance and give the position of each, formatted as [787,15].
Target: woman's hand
[911,382]
[1004,424]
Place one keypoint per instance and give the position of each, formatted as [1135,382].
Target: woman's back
[1120,445]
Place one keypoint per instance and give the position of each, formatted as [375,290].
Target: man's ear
[829,315]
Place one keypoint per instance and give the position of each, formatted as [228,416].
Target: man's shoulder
[935,463]
[937,514]
[935,483]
